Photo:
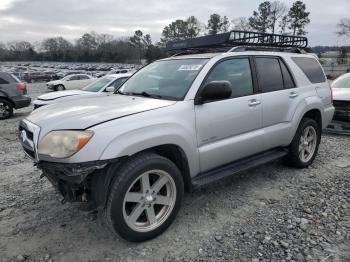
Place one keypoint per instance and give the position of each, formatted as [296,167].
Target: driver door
[230,129]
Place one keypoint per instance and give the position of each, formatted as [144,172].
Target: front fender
[144,138]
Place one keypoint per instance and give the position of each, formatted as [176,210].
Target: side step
[237,167]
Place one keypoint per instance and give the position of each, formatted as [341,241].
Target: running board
[237,167]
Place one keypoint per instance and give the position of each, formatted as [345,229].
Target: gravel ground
[270,213]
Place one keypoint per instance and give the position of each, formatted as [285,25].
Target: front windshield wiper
[145,94]
[120,93]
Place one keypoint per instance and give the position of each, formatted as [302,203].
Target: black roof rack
[225,41]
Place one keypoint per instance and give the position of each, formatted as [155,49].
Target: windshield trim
[170,98]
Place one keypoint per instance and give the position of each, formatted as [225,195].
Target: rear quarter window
[311,69]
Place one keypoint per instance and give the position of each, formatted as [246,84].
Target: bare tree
[278,11]
[241,23]
[344,27]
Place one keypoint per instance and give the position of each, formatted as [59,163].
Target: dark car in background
[38,77]
[12,95]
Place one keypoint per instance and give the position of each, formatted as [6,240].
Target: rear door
[230,129]
[280,98]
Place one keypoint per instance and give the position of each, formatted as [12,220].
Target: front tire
[145,197]
[6,109]
[60,88]
[304,147]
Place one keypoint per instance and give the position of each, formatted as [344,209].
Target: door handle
[254,102]
[293,95]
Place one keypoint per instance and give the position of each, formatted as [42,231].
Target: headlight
[65,143]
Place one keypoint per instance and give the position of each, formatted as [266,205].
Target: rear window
[83,77]
[311,69]
[287,78]
[269,73]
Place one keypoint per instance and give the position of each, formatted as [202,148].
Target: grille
[28,134]
[342,110]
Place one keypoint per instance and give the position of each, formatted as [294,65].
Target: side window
[269,74]
[237,72]
[287,77]
[117,83]
[311,69]
[3,81]
[74,78]
[83,77]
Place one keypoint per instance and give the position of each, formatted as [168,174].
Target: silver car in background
[341,100]
[100,87]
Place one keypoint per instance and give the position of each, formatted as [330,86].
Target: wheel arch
[8,99]
[178,156]
[314,114]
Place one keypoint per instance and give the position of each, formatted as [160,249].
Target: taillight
[21,87]
[330,88]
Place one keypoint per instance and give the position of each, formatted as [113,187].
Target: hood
[86,112]
[342,94]
[60,94]
[55,82]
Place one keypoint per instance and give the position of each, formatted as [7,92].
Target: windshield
[342,82]
[98,84]
[167,79]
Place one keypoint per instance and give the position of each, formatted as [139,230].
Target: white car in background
[100,87]
[70,82]
[341,102]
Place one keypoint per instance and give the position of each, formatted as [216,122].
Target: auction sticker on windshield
[189,67]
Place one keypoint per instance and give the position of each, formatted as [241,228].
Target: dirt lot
[271,213]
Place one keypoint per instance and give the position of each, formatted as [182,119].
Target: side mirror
[214,90]
[110,89]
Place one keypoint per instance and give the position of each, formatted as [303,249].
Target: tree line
[270,17]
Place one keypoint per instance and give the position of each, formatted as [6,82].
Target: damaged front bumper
[72,179]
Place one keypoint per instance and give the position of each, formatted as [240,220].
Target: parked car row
[79,66]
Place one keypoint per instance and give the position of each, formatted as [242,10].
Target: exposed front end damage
[341,119]
[73,180]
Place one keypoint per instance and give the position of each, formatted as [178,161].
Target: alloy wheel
[307,144]
[149,200]
[4,110]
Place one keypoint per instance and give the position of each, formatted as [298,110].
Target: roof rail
[236,38]
[266,48]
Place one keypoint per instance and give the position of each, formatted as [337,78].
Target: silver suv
[178,124]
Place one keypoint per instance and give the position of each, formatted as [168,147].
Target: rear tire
[60,88]
[144,198]
[6,109]
[304,147]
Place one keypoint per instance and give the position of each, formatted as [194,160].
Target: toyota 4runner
[181,123]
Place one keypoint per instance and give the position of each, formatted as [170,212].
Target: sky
[34,20]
